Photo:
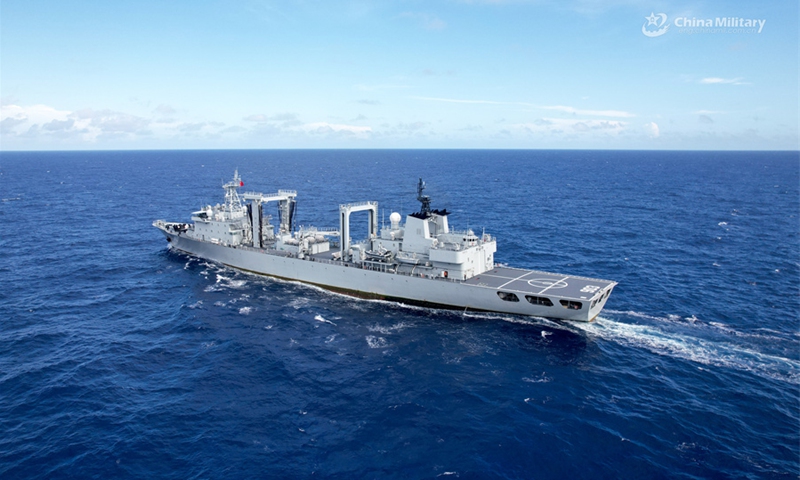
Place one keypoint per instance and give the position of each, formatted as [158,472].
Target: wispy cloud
[723,81]
[456,100]
[708,112]
[592,113]
[560,108]
[425,20]
[373,88]
[165,110]
[429,72]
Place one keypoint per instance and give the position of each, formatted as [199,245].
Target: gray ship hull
[503,289]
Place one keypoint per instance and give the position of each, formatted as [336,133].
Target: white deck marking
[563,280]
[547,282]
[514,280]
[489,275]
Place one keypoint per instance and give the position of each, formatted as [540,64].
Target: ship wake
[660,340]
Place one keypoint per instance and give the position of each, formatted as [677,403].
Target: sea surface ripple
[121,359]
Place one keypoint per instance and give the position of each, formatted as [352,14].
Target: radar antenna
[425,200]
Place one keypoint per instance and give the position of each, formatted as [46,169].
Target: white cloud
[568,125]
[723,81]
[59,125]
[112,122]
[34,114]
[652,129]
[325,127]
[87,125]
[7,124]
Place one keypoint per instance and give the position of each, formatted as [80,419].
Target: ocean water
[119,359]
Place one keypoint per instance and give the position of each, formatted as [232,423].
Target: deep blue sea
[119,359]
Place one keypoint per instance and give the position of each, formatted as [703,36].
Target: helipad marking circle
[547,283]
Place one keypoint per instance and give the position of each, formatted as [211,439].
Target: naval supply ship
[422,261]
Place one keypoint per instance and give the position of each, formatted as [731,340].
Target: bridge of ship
[540,284]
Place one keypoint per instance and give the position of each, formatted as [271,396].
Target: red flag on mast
[241,183]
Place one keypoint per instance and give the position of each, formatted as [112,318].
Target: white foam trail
[696,322]
[320,319]
[298,303]
[387,330]
[522,320]
[542,379]
[706,352]
[376,342]
[245,310]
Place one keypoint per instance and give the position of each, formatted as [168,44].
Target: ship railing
[373,266]
[323,230]
[358,204]
[485,237]
[453,247]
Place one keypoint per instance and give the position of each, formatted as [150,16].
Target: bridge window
[508,297]
[571,305]
[538,300]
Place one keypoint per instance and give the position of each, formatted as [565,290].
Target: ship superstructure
[422,261]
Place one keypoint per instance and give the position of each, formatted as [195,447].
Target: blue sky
[403,74]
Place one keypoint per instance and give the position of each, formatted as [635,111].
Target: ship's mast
[425,200]
[232,201]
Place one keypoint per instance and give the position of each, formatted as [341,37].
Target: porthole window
[571,305]
[538,300]
[508,297]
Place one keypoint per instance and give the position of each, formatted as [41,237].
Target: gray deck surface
[539,283]
[529,282]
